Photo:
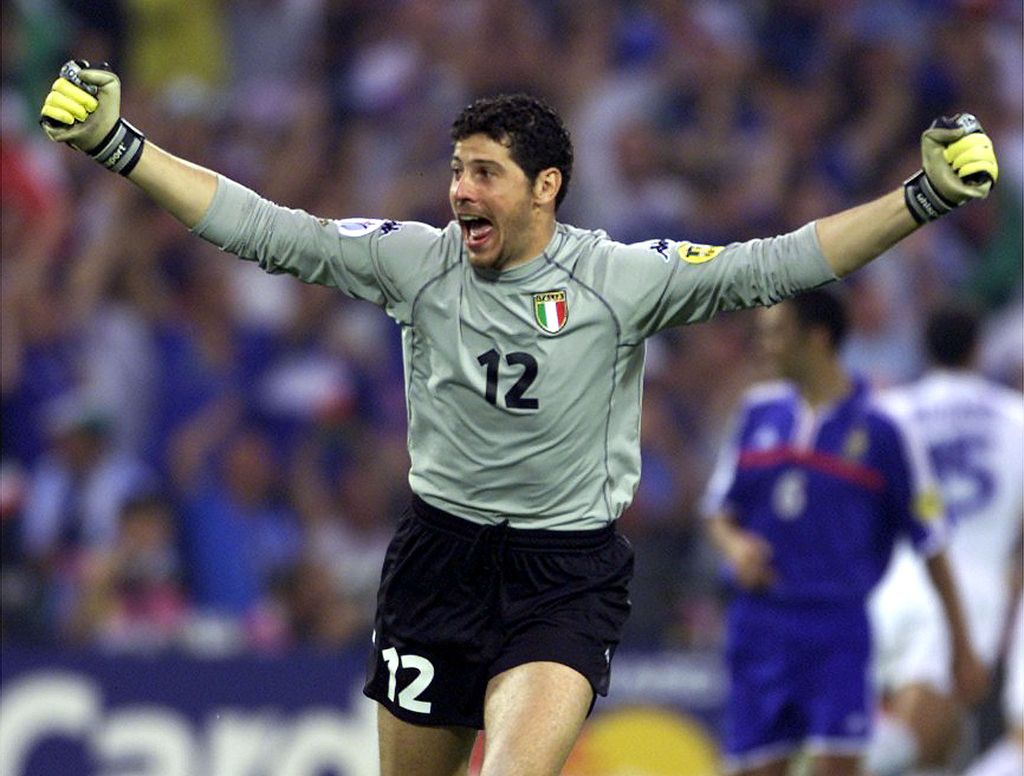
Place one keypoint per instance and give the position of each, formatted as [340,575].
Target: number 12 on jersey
[514,397]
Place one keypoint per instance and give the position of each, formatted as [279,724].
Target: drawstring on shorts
[487,552]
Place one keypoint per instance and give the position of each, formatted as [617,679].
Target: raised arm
[83,109]
[183,189]
[851,238]
[958,165]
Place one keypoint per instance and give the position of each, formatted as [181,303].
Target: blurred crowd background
[199,456]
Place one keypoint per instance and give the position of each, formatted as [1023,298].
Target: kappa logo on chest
[551,310]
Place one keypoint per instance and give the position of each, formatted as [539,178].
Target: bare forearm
[852,238]
[942,580]
[183,189]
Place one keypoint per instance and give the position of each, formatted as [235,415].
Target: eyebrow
[485,162]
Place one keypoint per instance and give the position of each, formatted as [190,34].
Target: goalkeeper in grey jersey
[504,591]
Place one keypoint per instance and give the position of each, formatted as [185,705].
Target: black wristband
[923,201]
[120,150]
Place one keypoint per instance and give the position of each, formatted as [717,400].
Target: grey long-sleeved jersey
[523,387]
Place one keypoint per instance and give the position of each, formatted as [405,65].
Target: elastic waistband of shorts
[514,538]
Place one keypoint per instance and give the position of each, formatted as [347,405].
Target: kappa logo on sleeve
[360,227]
[661,248]
[695,253]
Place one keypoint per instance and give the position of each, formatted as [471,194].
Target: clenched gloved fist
[959,164]
[83,110]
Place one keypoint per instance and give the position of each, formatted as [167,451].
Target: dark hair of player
[950,334]
[823,309]
[534,133]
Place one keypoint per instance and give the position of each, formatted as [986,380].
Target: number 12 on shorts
[408,697]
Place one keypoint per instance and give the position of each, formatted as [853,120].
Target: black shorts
[460,603]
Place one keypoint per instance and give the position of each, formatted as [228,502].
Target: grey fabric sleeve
[225,219]
[285,240]
[794,261]
[797,260]
[757,272]
[668,284]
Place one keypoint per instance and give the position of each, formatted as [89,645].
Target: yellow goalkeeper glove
[958,165]
[83,110]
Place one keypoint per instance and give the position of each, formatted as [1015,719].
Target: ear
[546,186]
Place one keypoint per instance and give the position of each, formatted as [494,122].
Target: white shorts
[911,641]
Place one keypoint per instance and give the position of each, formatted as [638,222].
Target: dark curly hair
[951,333]
[536,137]
[824,309]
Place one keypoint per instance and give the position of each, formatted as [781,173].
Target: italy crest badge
[550,310]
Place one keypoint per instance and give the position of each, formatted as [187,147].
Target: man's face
[493,201]
[782,340]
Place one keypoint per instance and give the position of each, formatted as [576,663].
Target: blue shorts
[792,687]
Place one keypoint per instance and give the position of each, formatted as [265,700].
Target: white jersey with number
[523,387]
[973,430]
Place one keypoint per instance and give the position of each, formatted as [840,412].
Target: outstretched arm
[83,109]
[183,189]
[851,238]
[958,165]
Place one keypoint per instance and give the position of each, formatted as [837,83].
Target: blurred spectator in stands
[1002,346]
[22,586]
[241,536]
[74,496]
[321,614]
[274,45]
[882,342]
[78,487]
[175,45]
[116,363]
[132,597]
[34,37]
[205,355]
[347,490]
[36,357]
[97,28]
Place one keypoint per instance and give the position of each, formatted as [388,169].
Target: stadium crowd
[197,455]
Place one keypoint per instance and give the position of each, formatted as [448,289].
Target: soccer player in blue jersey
[806,504]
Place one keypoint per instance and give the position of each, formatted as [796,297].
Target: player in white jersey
[504,591]
[974,432]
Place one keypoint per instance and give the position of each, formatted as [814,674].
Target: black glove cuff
[120,150]
[923,201]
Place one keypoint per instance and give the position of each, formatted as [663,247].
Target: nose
[461,189]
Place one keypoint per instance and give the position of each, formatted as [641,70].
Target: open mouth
[476,231]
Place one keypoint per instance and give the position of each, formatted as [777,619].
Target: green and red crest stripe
[550,310]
